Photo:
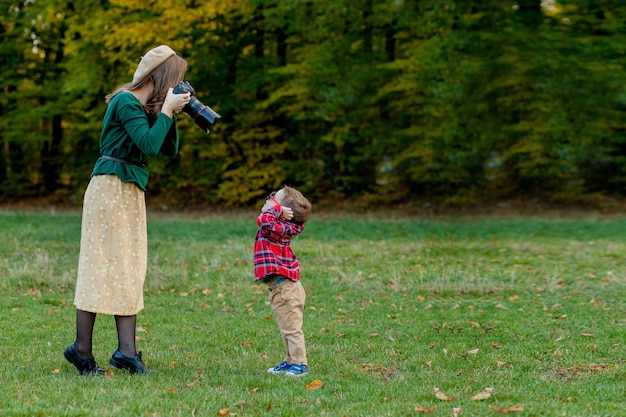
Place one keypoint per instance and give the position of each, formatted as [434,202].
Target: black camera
[203,115]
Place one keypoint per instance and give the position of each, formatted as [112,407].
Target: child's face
[275,198]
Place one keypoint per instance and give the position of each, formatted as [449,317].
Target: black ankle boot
[85,366]
[133,365]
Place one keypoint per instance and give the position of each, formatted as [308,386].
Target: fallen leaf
[315,384]
[472,352]
[373,334]
[501,307]
[474,324]
[56,370]
[483,395]
[429,364]
[513,409]
[108,373]
[514,298]
[420,409]
[441,396]
[223,412]
[253,390]
[588,334]
[495,346]
[456,412]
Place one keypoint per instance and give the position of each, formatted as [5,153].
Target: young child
[282,216]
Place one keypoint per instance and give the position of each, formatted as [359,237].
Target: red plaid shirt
[272,246]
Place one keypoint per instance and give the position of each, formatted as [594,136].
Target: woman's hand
[174,103]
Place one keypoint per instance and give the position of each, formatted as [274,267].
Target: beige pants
[287,301]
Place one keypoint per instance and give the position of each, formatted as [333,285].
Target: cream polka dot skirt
[113,248]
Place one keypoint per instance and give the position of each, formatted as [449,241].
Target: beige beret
[151,60]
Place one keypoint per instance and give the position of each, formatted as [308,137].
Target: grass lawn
[532,308]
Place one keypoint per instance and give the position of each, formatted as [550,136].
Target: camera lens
[203,115]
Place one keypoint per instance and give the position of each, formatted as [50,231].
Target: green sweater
[127,134]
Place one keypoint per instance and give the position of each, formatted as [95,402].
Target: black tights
[125,333]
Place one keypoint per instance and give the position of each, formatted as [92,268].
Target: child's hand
[286,213]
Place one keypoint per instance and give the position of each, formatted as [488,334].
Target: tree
[456,101]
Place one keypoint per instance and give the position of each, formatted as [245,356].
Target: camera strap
[112,158]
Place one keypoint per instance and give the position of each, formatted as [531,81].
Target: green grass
[394,309]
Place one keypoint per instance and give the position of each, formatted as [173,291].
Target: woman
[139,122]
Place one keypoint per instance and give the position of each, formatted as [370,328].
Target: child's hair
[298,203]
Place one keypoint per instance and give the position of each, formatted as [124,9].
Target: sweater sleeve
[148,139]
[171,142]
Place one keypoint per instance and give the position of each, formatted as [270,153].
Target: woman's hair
[298,203]
[165,76]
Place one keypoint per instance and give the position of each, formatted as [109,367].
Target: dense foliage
[388,100]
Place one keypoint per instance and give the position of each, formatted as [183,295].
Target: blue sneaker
[280,368]
[297,370]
